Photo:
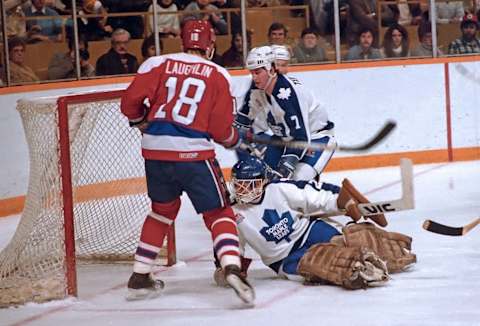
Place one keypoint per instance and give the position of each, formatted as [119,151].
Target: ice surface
[441,289]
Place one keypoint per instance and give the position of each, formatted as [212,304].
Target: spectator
[468,42]
[181,4]
[364,50]
[324,19]
[409,13]
[216,57]
[215,18]
[168,24]
[424,49]
[449,11]
[308,49]
[277,34]
[362,15]
[148,47]
[94,28]
[395,42]
[63,66]
[42,29]
[19,73]
[133,24]
[16,24]
[233,57]
[234,17]
[282,58]
[117,60]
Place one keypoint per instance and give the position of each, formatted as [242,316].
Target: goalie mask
[249,177]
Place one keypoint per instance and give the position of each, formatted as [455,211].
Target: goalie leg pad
[352,268]
[394,248]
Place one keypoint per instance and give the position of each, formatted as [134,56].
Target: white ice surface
[443,288]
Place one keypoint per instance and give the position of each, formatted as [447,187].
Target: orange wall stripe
[242,72]
[14,205]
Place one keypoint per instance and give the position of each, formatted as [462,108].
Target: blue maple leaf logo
[279,228]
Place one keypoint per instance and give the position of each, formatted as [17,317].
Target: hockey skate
[143,286]
[239,283]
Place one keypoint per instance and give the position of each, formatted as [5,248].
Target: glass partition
[48,40]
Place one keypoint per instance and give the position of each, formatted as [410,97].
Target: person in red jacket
[180,102]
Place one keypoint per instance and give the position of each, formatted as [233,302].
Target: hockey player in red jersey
[189,103]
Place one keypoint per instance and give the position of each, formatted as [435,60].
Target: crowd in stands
[365,34]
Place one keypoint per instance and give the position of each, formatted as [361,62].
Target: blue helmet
[249,176]
[249,168]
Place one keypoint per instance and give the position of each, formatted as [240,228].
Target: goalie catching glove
[351,268]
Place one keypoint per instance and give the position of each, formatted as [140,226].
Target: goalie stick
[389,206]
[439,228]
[379,136]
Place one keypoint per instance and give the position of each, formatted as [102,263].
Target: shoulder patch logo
[279,228]
[284,93]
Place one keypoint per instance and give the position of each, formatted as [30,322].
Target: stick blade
[382,134]
[438,228]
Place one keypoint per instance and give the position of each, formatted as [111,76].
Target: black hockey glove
[286,166]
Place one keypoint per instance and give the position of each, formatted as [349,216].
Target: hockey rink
[443,288]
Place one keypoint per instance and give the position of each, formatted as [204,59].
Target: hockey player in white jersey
[282,58]
[274,219]
[282,105]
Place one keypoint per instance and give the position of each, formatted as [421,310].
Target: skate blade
[243,291]
[142,294]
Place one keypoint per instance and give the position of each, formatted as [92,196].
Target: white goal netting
[109,197]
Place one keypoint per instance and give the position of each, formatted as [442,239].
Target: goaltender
[274,219]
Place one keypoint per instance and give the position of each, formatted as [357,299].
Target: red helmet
[198,34]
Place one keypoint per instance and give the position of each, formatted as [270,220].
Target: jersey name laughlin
[190,104]
[180,68]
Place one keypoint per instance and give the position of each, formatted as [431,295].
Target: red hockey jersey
[190,102]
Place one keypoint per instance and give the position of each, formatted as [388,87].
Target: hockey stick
[379,136]
[404,203]
[435,227]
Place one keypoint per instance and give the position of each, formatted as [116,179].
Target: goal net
[86,198]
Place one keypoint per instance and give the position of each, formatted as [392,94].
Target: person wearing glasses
[117,61]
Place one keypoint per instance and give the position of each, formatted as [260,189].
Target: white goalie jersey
[281,218]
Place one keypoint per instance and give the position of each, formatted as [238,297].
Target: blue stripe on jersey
[291,106]
[160,127]
[330,187]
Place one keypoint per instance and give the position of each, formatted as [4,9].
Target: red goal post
[86,198]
